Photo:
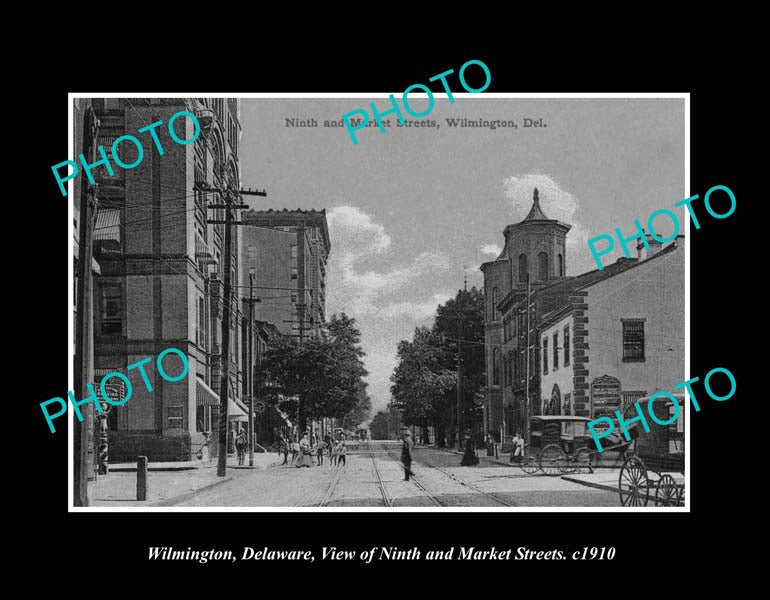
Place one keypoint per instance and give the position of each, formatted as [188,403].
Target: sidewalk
[607,479]
[167,483]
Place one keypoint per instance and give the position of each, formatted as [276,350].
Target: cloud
[387,302]
[557,203]
[416,310]
[491,250]
[358,239]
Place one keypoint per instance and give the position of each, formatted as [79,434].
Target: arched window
[542,266]
[496,366]
[522,268]
[495,300]
[561,266]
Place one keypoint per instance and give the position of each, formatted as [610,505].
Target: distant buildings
[597,342]
[287,251]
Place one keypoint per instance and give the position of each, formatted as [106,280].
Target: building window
[294,272]
[566,407]
[252,256]
[561,266]
[633,340]
[494,304]
[542,266]
[555,350]
[112,310]
[294,253]
[523,273]
[176,417]
[566,345]
[505,369]
[545,355]
[294,298]
[496,366]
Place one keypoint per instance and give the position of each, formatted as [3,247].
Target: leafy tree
[462,318]
[420,381]
[379,425]
[320,376]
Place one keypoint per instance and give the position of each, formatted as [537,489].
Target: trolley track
[386,498]
[332,485]
[433,498]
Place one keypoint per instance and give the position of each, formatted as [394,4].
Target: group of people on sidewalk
[303,451]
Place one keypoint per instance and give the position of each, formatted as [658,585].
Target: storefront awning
[235,412]
[204,395]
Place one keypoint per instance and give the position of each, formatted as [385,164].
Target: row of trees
[424,383]
[319,377]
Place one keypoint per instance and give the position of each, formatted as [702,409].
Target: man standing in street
[407,452]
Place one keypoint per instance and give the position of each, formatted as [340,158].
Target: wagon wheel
[529,464]
[584,459]
[680,496]
[552,459]
[568,466]
[633,485]
[666,492]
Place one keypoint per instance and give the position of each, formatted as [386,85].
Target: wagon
[558,444]
[660,452]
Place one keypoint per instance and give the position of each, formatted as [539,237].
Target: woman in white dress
[304,459]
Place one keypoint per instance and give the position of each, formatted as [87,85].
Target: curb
[132,469]
[598,486]
[262,467]
[187,495]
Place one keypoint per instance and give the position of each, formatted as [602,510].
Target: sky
[413,211]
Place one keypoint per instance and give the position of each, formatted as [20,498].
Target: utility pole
[228,206]
[251,369]
[226,306]
[83,431]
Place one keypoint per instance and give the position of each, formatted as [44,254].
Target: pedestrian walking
[333,458]
[284,450]
[407,452]
[240,446]
[330,446]
[304,459]
[469,458]
[294,451]
[341,452]
[320,449]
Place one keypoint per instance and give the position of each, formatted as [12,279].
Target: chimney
[654,244]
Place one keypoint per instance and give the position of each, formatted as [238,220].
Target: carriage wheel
[568,466]
[633,485]
[529,464]
[584,459]
[680,496]
[552,459]
[666,492]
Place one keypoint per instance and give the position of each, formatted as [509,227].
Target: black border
[650,541]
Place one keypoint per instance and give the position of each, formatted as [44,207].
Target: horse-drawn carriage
[659,451]
[558,444]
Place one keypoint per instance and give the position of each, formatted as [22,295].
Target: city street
[374,476]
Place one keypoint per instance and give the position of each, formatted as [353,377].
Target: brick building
[287,251]
[617,337]
[161,280]
[597,341]
[534,255]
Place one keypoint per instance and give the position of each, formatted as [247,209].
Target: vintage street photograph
[269,316]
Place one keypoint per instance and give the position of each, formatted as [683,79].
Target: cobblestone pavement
[358,484]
